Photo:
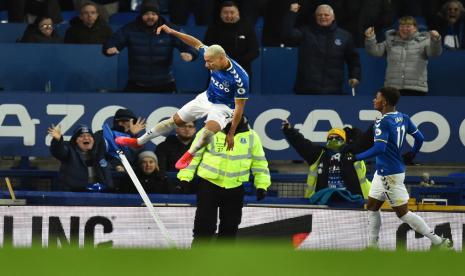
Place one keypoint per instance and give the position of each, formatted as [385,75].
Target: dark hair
[391,95]
[229,4]
[40,18]
[88,3]
[406,20]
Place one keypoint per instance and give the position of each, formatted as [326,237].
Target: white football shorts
[390,187]
[200,107]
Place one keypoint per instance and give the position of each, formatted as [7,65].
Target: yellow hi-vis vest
[229,169]
[359,166]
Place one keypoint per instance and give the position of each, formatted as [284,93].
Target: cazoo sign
[25,117]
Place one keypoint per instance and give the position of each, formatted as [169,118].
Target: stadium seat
[68,15]
[3,16]
[11,32]
[122,18]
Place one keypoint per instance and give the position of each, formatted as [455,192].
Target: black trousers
[210,199]
[409,92]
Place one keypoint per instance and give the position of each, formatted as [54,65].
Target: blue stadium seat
[11,32]
[3,16]
[421,24]
[68,15]
[61,28]
[121,18]
[457,175]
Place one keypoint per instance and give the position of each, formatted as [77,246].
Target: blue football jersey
[392,129]
[227,85]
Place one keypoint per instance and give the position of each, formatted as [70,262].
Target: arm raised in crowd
[308,150]
[288,30]
[371,46]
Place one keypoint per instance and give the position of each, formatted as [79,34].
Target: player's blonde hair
[215,50]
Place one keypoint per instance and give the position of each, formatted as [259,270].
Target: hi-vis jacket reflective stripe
[360,169]
[229,169]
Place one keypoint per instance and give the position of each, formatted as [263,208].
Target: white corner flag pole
[145,198]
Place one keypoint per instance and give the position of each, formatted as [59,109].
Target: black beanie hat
[80,130]
[150,5]
[124,114]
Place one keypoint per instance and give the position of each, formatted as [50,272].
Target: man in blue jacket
[150,54]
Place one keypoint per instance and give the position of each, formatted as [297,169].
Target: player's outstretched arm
[188,39]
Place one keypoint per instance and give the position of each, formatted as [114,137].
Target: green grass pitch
[222,259]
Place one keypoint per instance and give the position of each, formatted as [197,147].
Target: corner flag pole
[10,188]
[145,198]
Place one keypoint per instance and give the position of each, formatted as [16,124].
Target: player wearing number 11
[388,182]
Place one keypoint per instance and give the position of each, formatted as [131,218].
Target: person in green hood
[331,165]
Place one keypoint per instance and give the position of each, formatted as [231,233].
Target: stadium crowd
[325,32]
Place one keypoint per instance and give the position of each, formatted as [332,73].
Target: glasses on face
[46,26]
[335,138]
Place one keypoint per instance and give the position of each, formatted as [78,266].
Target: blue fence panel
[67,67]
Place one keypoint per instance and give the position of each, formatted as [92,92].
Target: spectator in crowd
[88,28]
[149,176]
[124,121]
[450,22]
[222,173]
[28,10]
[432,8]
[175,146]
[236,37]
[203,11]
[150,55]
[170,150]
[329,164]
[41,31]
[323,50]
[407,53]
[83,166]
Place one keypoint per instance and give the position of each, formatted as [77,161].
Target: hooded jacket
[78,33]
